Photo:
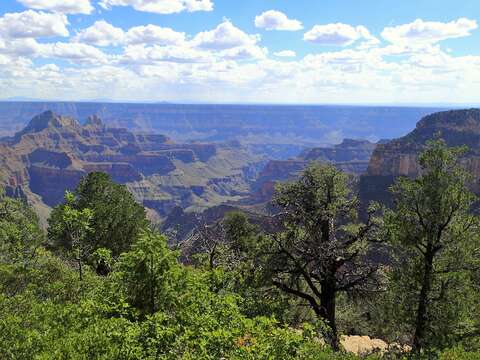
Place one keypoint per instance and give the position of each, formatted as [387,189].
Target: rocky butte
[399,157]
[351,156]
[52,153]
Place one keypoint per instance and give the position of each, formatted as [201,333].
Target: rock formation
[52,153]
[351,156]
[399,157]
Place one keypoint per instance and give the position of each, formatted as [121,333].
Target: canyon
[52,153]
[279,132]
[184,184]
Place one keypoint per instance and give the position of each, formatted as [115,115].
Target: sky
[244,51]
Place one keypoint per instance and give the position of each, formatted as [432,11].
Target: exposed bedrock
[50,158]
[51,183]
[399,157]
[120,172]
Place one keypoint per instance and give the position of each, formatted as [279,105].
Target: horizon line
[187,102]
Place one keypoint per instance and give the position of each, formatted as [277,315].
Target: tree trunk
[328,307]
[421,322]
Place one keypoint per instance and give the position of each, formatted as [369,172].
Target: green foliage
[150,273]
[20,232]
[75,225]
[321,249]
[102,261]
[240,233]
[20,240]
[235,246]
[246,300]
[435,238]
[459,354]
[189,321]
[117,218]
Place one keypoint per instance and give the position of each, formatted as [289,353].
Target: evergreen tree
[435,235]
[322,247]
[150,273]
[117,218]
[20,239]
[76,226]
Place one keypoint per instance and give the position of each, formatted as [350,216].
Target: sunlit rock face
[399,157]
[351,156]
[52,153]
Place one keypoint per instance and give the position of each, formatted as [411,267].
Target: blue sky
[270,51]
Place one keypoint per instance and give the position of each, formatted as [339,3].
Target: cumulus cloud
[147,55]
[32,24]
[421,31]
[101,33]
[23,47]
[224,36]
[337,34]
[225,60]
[161,6]
[276,20]
[61,6]
[153,34]
[152,44]
[250,52]
[74,52]
[285,53]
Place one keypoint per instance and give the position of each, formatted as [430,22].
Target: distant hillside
[399,157]
[274,130]
[53,152]
[351,156]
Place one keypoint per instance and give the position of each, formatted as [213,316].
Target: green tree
[321,249]
[20,231]
[150,273]
[117,218]
[76,226]
[21,237]
[435,235]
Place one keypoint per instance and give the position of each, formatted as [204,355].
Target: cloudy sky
[242,51]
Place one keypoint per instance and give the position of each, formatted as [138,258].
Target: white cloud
[276,20]
[147,55]
[161,6]
[285,53]
[198,5]
[152,34]
[250,52]
[350,75]
[228,64]
[421,31]
[32,24]
[337,34]
[74,52]
[61,6]
[101,33]
[224,36]
[21,47]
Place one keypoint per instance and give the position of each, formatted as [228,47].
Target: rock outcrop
[351,156]
[52,153]
[399,157]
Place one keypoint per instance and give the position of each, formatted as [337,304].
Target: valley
[52,153]
[183,184]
